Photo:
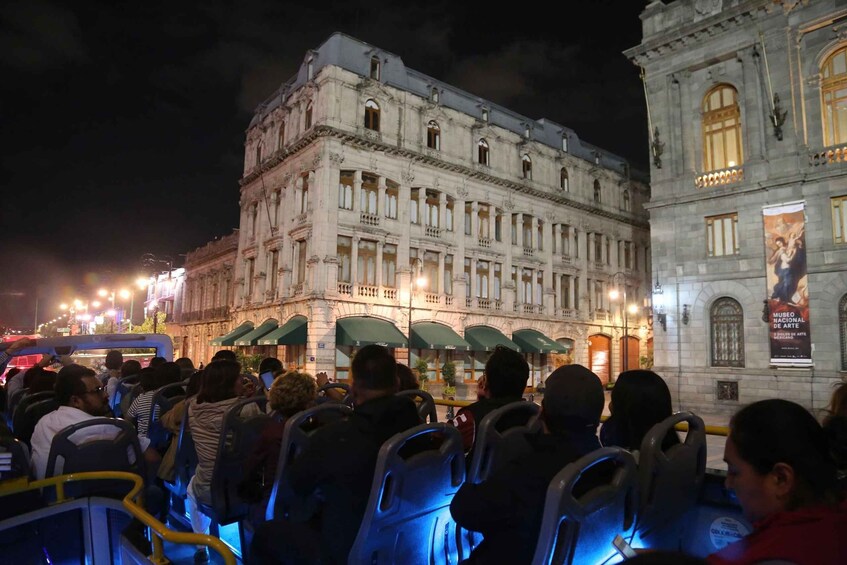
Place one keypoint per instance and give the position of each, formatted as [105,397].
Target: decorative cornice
[322,131]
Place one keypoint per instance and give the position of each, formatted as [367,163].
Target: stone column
[519,228]
[379,245]
[473,291]
[354,265]
[442,210]
[380,204]
[475,221]
[357,192]
[491,280]
[438,287]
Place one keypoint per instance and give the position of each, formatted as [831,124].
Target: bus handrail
[163,533]
[683,427]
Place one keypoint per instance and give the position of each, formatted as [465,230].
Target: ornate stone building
[362,176]
[206,299]
[748,109]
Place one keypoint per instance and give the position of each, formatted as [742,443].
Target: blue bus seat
[580,528]
[14,399]
[115,447]
[15,463]
[125,384]
[669,482]
[425,403]
[716,520]
[295,438]
[407,519]
[163,400]
[25,402]
[25,426]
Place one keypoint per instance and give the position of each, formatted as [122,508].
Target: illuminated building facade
[362,176]
[748,112]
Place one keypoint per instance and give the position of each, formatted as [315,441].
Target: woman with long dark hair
[780,466]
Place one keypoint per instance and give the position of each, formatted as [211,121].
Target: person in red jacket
[781,470]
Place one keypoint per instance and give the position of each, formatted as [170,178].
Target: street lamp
[416,281]
[619,280]
[154,304]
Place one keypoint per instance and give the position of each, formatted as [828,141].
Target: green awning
[292,332]
[252,338]
[359,330]
[532,341]
[229,339]
[429,335]
[485,338]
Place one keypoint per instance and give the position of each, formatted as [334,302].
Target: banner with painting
[787,284]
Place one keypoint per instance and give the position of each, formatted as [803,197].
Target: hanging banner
[787,285]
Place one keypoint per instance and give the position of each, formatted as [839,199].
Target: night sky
[123,123]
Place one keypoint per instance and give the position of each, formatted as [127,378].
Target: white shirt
[54,422]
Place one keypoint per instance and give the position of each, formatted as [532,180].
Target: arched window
[281,135]
[526,167]
[258,154]
[482,155]
[842,329]
[372,115]
[433,135]
[625,201]
[564,180]
[307,123]
[727,328]
[834,97]
[598,197]
[721,129]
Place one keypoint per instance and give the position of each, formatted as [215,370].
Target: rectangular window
[392,193]
[468,220]
[482,279]
[598,248]
[498,277]
[430,271]
[498,227]
[301,261]
[467,274]
[345,190]
[448,215]
[526,286]
[389,266]
[413,207]
[273,268]
[248,276]
[448,274]
[722,235]
[369,192]
[304,195]
[539,287]
[514,229]
[839,219]
[344,245]
[366,263]
[627,255]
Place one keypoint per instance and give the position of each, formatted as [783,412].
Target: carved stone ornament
[336,158]
[657,147]
[316,162]
[704,8]
[373,162]
[408,176]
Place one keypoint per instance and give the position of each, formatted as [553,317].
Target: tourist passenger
[779,466]
[128,368]
[506,374]
[508,507]
[406,378]
[186,367]
[139,410]
[41,380]
[114,360]
[172,421]
[340,463]
[225,355]
[640,400]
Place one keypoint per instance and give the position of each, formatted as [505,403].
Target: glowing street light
[619,279]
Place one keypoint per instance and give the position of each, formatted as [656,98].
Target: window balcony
[367,291]
[301,218]
[432,231]
[833,155]
[448,300]
[528,252]
[345,289]
[297,289]
[485,242]
[389,293]
[369,219]
[432,298]
[600,316]
[566,259]
[484,303]
[566,313]
[720,177]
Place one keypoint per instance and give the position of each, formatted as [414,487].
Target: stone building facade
[748,111]
[206,299]
[362,176]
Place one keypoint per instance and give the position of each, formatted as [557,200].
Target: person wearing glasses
[81,397]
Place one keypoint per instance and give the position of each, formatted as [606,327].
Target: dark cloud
[36,35]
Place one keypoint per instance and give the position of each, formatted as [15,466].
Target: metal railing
[160,531]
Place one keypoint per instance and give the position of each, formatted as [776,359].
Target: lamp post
[416,281]
[619,280]
[155,306]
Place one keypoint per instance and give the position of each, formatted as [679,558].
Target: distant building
[748,107]
[362,176]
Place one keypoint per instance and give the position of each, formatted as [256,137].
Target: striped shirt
[139,411]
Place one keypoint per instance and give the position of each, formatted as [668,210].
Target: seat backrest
[185,460]
[25,402]
[125,384]
[500,438]
[25,427]
[425,404]
[295,438]
[163,400]
[407,519]
[14,458]
[239,435]
[669,481]
[580,528]
[13,403]
[105,444]
[322,396]
[132,392]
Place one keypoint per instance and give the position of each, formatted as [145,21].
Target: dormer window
[564,180]
[434,95]
[526,132]
[375,68]
[372,115]
[482,157]
[308,119]
[258,154]
[596,158]
[433,135]
[526,167]
[597,192]
[485,114]
[310,69]
[565,143]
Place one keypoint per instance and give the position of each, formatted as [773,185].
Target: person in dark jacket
[339,463]
[506,375]
[507,509]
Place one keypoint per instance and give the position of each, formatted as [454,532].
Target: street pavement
[714,444]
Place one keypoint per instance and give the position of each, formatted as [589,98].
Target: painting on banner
[787,285]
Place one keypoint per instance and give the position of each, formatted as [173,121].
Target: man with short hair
[225,355]
[114,359]
[505,378]
[340,463]
[81,397]
[508,507]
